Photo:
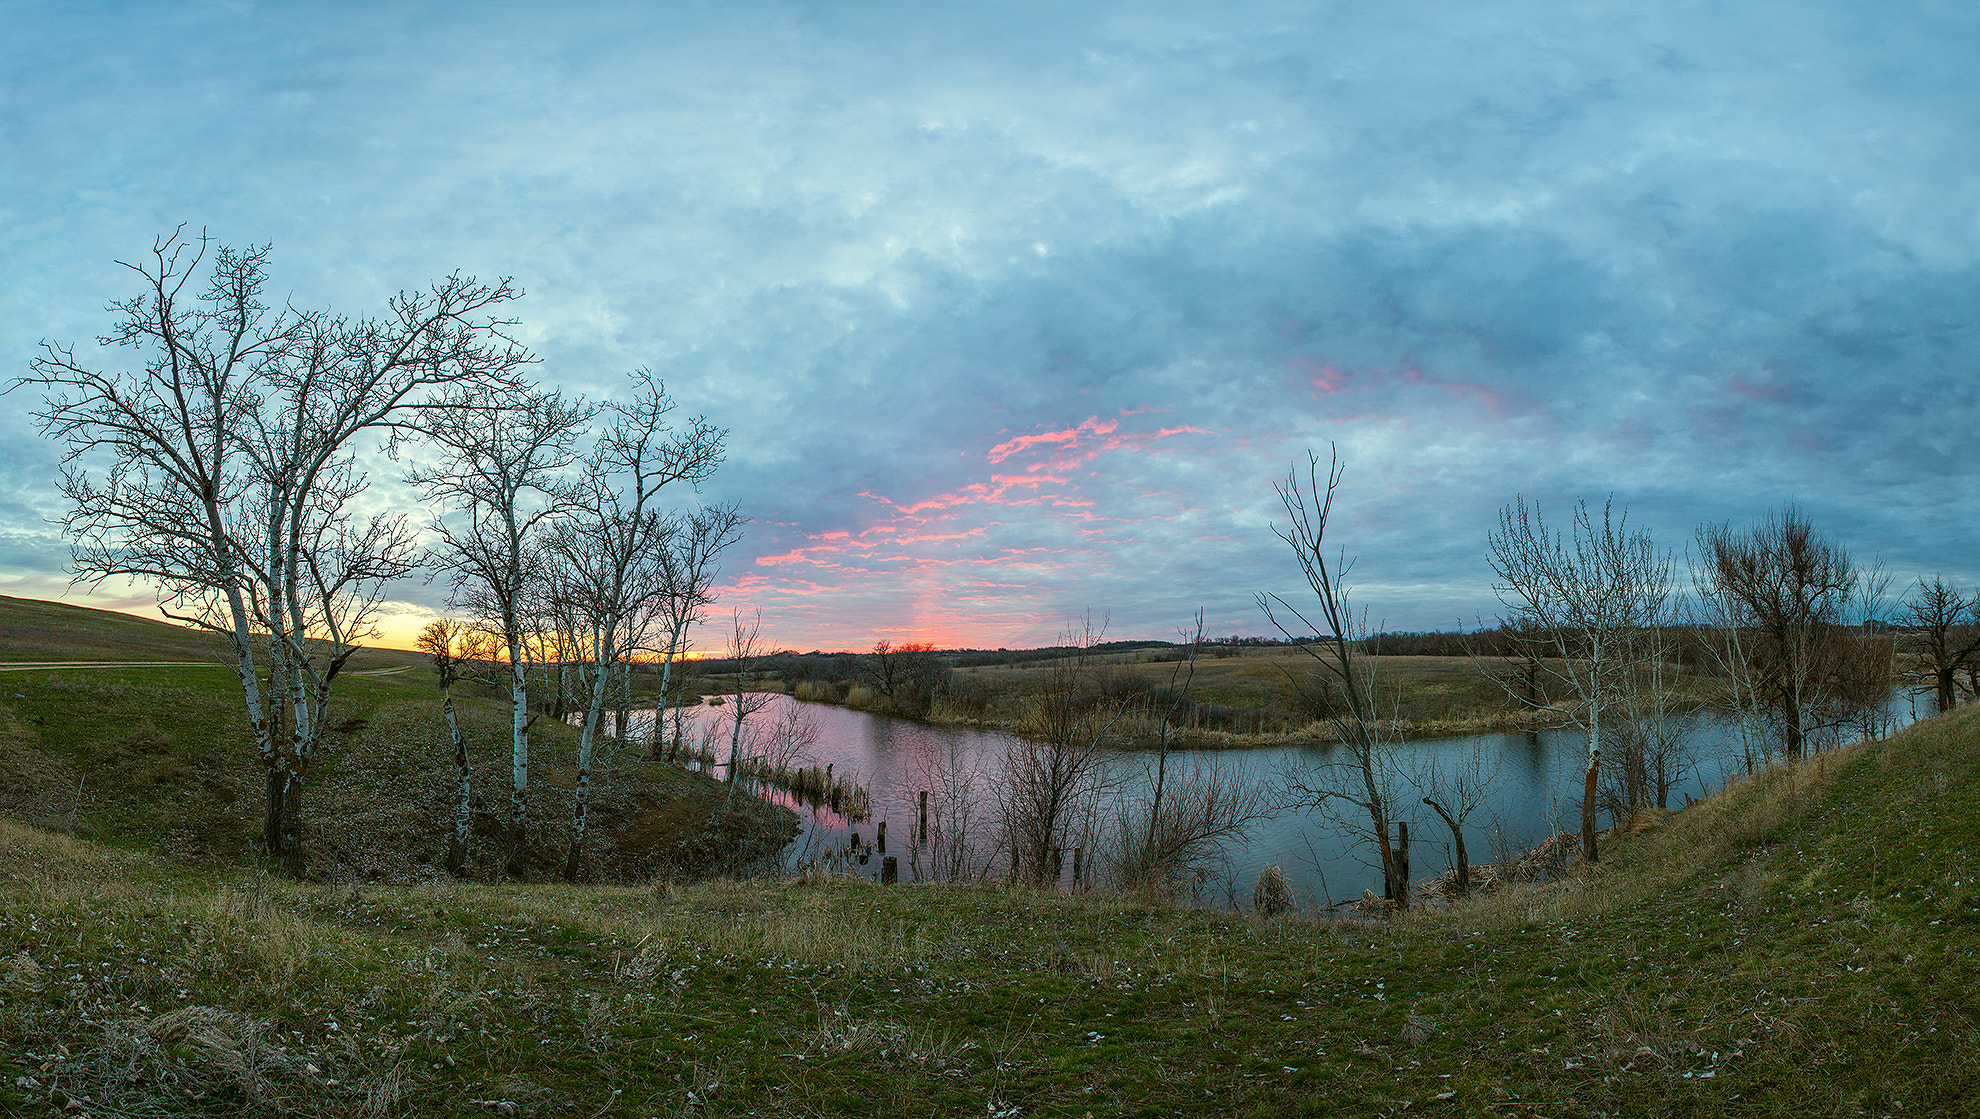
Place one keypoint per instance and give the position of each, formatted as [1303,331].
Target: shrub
[1271,897]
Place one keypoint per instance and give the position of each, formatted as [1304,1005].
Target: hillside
[1804,941]
[35,631]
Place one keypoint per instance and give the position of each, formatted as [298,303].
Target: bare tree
[1179,683]
[1652,742]
[610,552]
[1053,771]
[790,739]
[907,675]
[1593,593]
[442,640]
[1787,591]
[957,779]
[1208,805]
[227,479]
[1948,625]
[498,482]
[1359,786]
[1456,789]
[1178,827]
[743,647]
[689,563]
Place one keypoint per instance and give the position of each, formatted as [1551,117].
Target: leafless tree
[1207,805]
[1786,591]
[743,646]
[1593,593]
[498,483]
[442,640]
[1948,629]
[1651,743]
[610,552]
[688,565]
[1179,684]
[1053,771]
[789,740]
[225,474]
[1356,790]
[956,778]
[908,675]
[1456,788]
[1178,827]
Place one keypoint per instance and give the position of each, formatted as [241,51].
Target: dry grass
[1246,698]
[1809,935]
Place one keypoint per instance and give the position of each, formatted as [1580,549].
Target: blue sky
[1015,311]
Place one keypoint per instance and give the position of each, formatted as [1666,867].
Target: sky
[1015,312]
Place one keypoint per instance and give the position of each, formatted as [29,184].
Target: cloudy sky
[1015,311]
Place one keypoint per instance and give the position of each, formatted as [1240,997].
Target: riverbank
[160,757]
[1238,698]
[1805,935]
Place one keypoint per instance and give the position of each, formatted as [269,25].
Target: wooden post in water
[883,838]
[924,815]
[890,871]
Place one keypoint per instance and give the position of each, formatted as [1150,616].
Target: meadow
[1802,943]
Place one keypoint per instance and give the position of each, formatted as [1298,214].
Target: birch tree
[498,481]
[441,641]
[1592,593]
[612,551]
[688,565]
[221,472]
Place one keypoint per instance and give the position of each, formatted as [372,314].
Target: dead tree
[1362,782]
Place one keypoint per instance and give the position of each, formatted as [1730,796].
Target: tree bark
[1588,812]
[457,843]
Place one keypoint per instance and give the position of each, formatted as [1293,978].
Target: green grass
[1802,944]
[38,631]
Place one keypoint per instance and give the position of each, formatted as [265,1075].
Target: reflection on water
[1535,792]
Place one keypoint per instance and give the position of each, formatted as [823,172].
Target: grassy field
[1802,944]
[37,631]
[1245,698]
[155,753]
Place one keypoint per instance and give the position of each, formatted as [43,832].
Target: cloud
[1017,310]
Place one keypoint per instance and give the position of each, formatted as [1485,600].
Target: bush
[818,691]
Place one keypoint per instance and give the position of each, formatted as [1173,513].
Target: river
[1534,791]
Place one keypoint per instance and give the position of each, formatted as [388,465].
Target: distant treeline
[1687,642]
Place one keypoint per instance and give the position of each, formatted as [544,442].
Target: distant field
[1252,691]
[34,630]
